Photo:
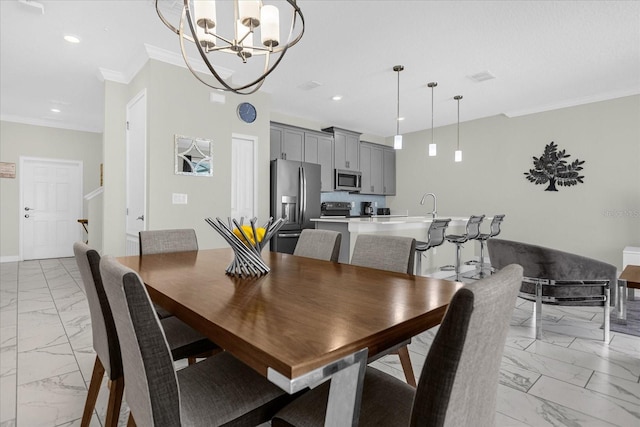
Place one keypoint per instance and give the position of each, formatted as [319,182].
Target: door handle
[26,215]
[28,209]
[141,218]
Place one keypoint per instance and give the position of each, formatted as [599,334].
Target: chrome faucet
[435,203]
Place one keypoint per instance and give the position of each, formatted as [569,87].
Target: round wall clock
[247,112]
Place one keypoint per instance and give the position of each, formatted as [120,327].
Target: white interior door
[136,170]
[51,195]
[243,177]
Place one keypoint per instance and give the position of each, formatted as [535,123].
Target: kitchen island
[411,226]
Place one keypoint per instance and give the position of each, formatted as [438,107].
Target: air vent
[312,84]
[482,76]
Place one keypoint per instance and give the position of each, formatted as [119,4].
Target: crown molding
[49,123]
[158,54]
[112,76]
[173,58]
[574,102]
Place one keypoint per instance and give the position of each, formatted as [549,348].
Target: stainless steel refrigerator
[295,194]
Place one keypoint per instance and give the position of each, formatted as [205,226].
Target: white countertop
[389,222]
[386,219]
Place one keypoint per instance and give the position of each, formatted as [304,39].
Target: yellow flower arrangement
[249,232]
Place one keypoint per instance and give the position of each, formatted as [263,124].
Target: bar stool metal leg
[458,246]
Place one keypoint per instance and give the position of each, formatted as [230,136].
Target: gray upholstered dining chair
[167,241]
[459,382]
[219,390]
[184,342]
[391,253]
[319,244]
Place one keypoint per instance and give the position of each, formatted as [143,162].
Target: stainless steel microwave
[347,180]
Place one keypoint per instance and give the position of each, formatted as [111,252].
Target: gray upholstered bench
[555,277]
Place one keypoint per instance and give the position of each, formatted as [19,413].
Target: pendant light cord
[398,106]
[458,124]
[458,98]
[432,86]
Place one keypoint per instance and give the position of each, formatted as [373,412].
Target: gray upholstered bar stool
[472,231]
[435,237]
[494,230]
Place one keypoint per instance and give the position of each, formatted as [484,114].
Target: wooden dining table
[302,320]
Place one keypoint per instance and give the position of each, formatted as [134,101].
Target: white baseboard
[14,258]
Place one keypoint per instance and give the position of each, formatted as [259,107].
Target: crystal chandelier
[251,19]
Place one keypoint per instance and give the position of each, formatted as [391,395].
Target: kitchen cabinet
[372,168]
[389,171]
[378,167]
[346,148]
[286,143]
[318,148]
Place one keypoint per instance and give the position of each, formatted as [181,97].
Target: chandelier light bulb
[270,19]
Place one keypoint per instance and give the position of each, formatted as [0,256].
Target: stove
[335,209]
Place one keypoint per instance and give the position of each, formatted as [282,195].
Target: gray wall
[17,140]
[596,219]
[178,104]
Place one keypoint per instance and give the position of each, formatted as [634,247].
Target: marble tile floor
[569,378]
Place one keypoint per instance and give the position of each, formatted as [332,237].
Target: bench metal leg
[538,313]
[607,320]
[621,295]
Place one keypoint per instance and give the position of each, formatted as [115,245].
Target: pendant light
[432,147]
[458,154]
[397,140]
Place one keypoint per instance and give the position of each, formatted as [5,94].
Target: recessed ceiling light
[400,119]
[337,97]
[55,110]
[71,39]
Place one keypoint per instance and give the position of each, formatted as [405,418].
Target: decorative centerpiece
[247,242]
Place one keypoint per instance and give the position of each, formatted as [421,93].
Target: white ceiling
[544,54]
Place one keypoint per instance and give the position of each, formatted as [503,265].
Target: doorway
[136,171]
[50,206]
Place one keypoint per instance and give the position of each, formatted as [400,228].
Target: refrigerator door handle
[285,235]
[303,203]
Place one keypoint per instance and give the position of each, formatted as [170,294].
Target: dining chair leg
[115,402]
[191,360]
[403,353]
[94,389]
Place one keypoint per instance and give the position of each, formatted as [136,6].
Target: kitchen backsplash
[344,196]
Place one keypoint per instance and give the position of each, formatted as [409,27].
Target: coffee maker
[366,208]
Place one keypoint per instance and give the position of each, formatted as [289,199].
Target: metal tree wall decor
[552,168]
